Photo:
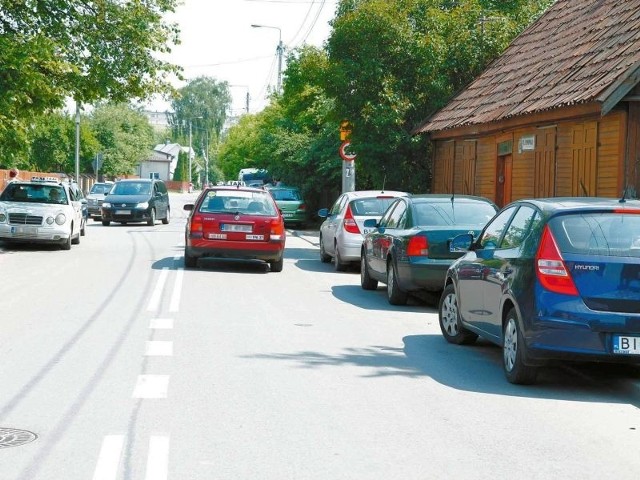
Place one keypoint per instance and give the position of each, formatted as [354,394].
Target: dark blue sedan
[549,280]
[409,248]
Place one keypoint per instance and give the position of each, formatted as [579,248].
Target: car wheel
[152,218]
[366,281]
[66,245]
[165,220]
[324,258]
[449,316]
[76,240]
[106,223]
[394,294]
[338,264]
[277,265]
[190,261]
[514,353]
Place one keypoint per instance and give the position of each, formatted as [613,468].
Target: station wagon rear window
[238,201]
[607,234]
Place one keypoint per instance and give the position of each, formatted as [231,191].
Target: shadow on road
[475,368]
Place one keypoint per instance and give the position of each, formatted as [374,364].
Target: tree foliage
[125,137]
[200,108]
[89,51]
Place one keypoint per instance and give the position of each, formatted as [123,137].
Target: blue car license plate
[626,345]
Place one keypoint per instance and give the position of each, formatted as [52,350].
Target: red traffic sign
[346,155]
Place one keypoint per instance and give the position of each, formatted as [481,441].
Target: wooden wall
[579,158]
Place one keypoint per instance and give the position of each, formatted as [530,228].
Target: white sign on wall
[527,143]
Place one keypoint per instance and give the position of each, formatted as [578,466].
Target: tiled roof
[579,51]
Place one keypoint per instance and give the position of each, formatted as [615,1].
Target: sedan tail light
[418,246]
[302,206]
[349,223]
[196,224]
[277,229]
[550,267]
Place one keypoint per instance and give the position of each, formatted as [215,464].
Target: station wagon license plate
[234,227]
[287,214]
[626,345]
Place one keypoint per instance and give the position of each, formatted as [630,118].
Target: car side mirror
[370,223]
[188,207]
[323,212]
[461,243]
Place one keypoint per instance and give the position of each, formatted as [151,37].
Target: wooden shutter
[469,168]
[584,139]
[545,167]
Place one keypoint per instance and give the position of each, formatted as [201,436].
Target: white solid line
[161,323]
[154,302]
[177,290]
[109,459]
[159,349]
[151,386]
[158,459]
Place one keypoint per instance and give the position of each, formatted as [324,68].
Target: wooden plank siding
[545,163]
[577,158]
[633,150]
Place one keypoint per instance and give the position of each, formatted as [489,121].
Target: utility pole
[279,51]
[77,142]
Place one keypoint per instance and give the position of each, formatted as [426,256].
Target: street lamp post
[279,51]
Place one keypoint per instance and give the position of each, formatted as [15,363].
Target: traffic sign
[345,153]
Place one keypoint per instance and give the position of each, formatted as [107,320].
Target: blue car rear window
[606,234]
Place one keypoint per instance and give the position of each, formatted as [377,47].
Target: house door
[503,180]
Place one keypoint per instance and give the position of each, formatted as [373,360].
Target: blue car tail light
[551,270]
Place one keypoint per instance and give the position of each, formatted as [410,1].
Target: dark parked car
[137,200]
[235,222]
[549,280]
[409,248]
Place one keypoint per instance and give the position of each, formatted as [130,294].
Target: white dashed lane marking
[109,459]
[159,349]
[151,386]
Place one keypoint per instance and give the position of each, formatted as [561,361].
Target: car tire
[165,220]
[76,240]
[366,282]
[106,223]
[324,258]
[66,245]
[190,261]
[83,231]
[277,265]
[338,264]
[395,295]
[514,353]
[449,318]
[152,218]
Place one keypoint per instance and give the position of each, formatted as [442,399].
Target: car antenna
[624,195]
[384,181]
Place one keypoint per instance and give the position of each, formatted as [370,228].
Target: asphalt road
[119,364]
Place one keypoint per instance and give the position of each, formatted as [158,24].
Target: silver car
[43,210]
[342,232]
[95,198]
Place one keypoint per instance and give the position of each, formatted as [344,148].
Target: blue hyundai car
[549,280]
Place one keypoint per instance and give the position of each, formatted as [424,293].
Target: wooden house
[558,114]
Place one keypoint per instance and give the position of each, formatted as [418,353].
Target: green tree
[89,51]
[391,64]
[52,144]
[200,108]
[125,136]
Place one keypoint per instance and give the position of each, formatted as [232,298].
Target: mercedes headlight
[61,218]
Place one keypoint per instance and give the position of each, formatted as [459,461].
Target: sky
[217,41]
